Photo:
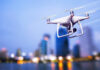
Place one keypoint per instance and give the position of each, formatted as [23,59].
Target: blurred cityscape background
[27,42]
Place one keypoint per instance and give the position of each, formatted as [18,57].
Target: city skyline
[21,24]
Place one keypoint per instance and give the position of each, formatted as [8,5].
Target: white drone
[69,22]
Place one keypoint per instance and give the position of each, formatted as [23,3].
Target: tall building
[3,53]
[62,44]
[18,52]
[37,53]
[76,51]
[44,44]
[86,43]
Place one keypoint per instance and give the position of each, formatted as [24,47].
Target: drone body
[69,22]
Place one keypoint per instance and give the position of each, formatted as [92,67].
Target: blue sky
[21,24]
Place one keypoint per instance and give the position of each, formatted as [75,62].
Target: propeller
[67,10]
[48,17]
[81,7]
[89,12]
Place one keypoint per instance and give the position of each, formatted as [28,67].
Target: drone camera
[48,20]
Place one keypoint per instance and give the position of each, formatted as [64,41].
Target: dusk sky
[22,26]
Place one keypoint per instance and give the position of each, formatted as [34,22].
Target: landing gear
[75,30]
[71,30]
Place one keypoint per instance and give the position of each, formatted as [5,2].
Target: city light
[52,58]
[20,58]
[45,57]
[95,53]
[41,58]
[69,57]
[97,58]
[60,58]
[23,54]
[35,59]
[12,55]
[89,57]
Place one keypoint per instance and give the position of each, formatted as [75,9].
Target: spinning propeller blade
[89,12]
[48,17]
[81,7]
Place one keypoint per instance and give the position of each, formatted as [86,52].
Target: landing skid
[69,35]
[58,25]
[80,33]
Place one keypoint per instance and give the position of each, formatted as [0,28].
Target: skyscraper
[3,54]
[76,51]
[86,43]
[18,52]
[43,44]
[62,44]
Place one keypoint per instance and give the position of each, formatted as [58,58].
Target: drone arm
[82,18]
[58,25]
[71,27]
[81,28]
[78,34]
